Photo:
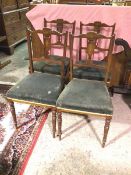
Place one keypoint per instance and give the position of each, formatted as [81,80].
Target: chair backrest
[60,25]
[94,45]
[49,39]
[98,27]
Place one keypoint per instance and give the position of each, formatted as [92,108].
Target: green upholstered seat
[89,72]
[86,95]
[38,88]
[52,68]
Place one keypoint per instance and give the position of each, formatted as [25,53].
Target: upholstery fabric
[86,95]
[89,73]
[52,68]
[37,87]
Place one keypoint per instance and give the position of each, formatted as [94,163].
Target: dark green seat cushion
[37,87]
[52,68]
[88,72]
[86,95]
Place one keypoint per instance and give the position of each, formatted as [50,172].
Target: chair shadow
[78,126]
[119,136]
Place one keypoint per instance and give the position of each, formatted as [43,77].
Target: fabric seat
[54,68]
[37,88]
[74,97]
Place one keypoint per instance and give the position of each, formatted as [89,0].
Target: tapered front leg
[59,124]
[106,129]
[54,122]
[12,108]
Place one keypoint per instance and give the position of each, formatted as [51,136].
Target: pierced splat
[46,41]
[91,45]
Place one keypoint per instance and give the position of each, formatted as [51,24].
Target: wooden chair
[38,88]
[61,26]
[93,73]
[88,97]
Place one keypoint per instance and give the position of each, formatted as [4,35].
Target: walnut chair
[88,97]
[38,88]
[61,26]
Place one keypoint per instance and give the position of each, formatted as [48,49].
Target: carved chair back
[60,25]
[97,27]
[94,45]
[49,39]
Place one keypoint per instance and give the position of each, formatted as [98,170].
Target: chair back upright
[49,39]
[94,45]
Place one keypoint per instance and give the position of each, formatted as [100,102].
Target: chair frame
[85,113]
[46,37]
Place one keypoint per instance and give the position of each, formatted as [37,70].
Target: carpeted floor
[14,144]
[80,152]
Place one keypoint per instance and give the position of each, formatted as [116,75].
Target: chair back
[60,25]
[49,39]
[96,47]
[97,27]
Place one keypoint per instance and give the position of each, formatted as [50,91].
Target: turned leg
[54,122]
[12,108]
[106,129]
[59,124]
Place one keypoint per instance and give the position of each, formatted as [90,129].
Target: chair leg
[12,108]
[59,124]
[111,91]
[54,122]
[106,129]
